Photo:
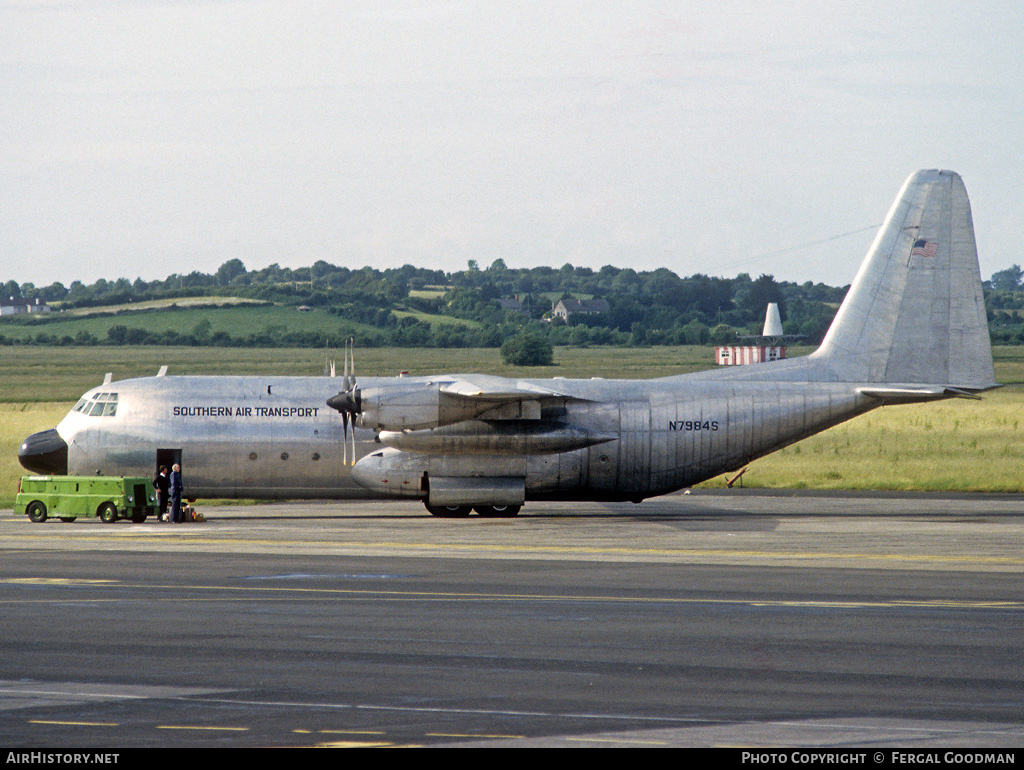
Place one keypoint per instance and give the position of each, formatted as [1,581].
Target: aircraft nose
[45,452]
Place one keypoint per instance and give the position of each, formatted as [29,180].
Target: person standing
[176,487]
[163,486]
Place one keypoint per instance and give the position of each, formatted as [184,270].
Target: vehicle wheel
[108,513]
[450,511]
[36,511]
[497,511]
[68,519]
[139,518]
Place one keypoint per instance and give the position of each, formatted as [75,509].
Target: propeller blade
[353,439]
[347,401]
[352,340]
[344,443]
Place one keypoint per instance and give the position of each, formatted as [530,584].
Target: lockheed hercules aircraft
[912,328]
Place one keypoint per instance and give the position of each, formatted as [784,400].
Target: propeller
[348,401]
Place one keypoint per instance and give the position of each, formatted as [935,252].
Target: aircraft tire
[138,518]
[36,511]
[450,511]
[497,511]
[68,519]
[108,513]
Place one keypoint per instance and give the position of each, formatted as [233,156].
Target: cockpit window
[99,405]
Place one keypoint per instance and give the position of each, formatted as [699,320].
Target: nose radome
[45,452]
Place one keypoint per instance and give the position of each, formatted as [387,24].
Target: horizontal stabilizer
[910,395]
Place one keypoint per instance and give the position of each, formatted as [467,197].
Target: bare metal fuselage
[265,437]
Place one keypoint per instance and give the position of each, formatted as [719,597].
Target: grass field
[957,445]
[159,304]
[62,374]
[235,320]
[225,314]
[437,320]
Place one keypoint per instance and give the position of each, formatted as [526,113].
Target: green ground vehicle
[68,497]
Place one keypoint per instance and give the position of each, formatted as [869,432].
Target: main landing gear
[486,511]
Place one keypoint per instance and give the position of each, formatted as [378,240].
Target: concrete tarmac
[714,618]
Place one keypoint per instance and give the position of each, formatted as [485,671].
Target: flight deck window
[100,405]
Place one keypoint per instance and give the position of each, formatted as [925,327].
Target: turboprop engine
[428,406]
[418,405]
[460,441]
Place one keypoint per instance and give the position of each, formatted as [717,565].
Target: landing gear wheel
[139,518]
[36,511]
[450,511]
[497,511]
[68,519]
[108,513]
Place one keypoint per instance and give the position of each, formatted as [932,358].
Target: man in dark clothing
[162,484]
[175,490]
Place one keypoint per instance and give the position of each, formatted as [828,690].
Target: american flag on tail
[923,248]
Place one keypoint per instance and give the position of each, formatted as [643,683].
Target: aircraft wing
[448,400]
[497,398]
[487,388]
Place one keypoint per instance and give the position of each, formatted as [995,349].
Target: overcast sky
[139,139]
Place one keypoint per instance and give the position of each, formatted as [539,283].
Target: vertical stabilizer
[915,313]
[772,321]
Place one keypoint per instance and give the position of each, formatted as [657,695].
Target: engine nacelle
[415,407]
[392,472]
[400,408]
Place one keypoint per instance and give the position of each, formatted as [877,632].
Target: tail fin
[915,312]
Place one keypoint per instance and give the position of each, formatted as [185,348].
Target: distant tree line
[1004,301]
[644,307]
